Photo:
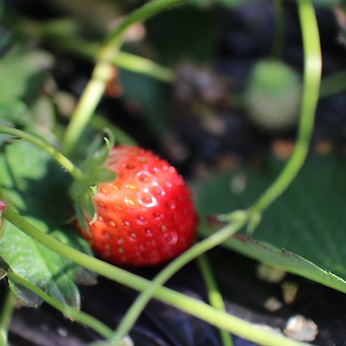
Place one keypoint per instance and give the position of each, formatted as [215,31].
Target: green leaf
[22,73]
[40,266]
[308,220]
[44,113]
[13,111]
[39,119]
[38,188]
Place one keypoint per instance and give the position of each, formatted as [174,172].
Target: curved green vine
[64,161]
[180,301]
[103,70]
[84,111]
[310,95]
[5,318]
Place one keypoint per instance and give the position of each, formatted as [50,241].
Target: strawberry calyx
[83,190]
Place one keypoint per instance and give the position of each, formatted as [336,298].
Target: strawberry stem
[180,301]
[143,66]
[310,94]
[67,40]
[214,295]
[64,161]
[196,250]
[6,315]
[103,70]
[277,47]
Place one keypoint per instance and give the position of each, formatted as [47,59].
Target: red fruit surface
[146,216]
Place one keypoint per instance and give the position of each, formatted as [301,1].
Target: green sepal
[88,207]
[99,150]
[103,175]
[80,217]
[83,191]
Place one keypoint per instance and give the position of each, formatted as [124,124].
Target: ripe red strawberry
[146,216]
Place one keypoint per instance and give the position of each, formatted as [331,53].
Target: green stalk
[103,70]
[277,47]
[67,311]
[5,317]
[140,15]
[86,105]
[67,40]
[198,249]
[65,162]
[214,295]
[312,80]
[143,66]
[310,95]
[124,60]
[180,301]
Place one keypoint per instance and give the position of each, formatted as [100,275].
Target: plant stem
[5,317]
[277,47]
[124,60]
[103,70]
[58,37]
[310,94]
[86,105]
[67,311]
[180,301]
[214,295]
[198,249]
[65,162]
[143,13]
[143,66]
